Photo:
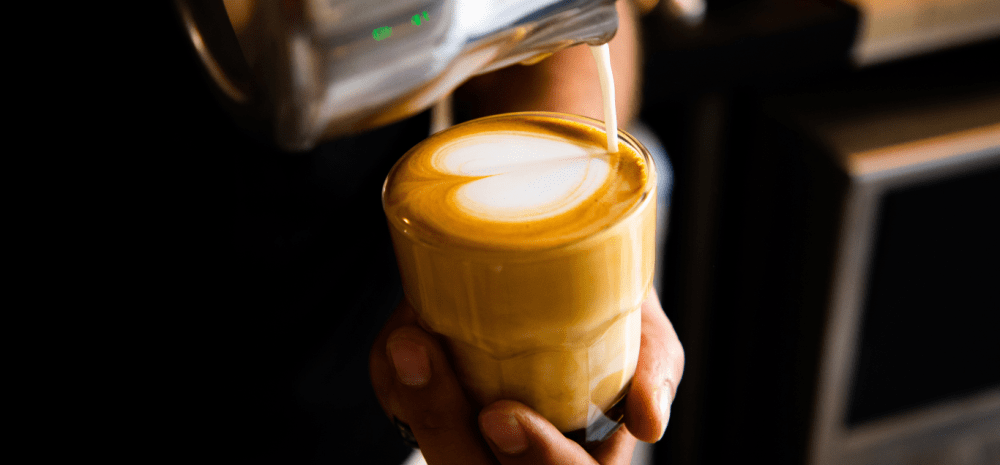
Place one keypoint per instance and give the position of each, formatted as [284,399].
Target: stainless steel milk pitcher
[307,70]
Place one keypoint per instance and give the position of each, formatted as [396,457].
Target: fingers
[417,386]
[379,369]
[518,435]
[661,364]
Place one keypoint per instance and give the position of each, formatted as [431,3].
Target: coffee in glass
[528,247]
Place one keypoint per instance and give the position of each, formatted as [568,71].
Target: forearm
[565,82]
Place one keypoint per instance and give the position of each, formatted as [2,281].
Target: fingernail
[664,401]
[505,431]
[410,359]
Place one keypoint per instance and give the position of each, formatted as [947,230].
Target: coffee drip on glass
[308,70]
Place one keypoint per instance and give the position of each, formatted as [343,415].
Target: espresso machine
[312,70]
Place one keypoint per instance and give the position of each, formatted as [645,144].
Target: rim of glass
[651,182]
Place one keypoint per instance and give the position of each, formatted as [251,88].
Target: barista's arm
[567,81]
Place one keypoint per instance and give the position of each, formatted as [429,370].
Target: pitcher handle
[207,25]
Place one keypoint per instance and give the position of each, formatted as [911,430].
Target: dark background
[256,279]
[224,249]
[754,217]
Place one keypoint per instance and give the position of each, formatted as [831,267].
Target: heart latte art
[524,183]
[529,247]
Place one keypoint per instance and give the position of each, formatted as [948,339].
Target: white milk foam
[525,176]
[602,55]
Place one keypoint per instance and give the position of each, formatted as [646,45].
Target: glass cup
[552,324]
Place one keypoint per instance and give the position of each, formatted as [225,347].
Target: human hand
[415,384]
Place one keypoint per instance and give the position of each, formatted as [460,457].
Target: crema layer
[529,182]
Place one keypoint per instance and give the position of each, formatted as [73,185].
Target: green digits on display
[385,32]
[382,32]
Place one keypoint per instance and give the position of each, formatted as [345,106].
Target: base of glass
[601,429]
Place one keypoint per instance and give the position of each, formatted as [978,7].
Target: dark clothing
[280,272]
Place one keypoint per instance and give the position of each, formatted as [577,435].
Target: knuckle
[430,421]
[437,417]
[679,361]
[434,423]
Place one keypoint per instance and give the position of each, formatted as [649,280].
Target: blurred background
[832,259]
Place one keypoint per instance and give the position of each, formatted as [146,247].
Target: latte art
[522,177]
[518,183]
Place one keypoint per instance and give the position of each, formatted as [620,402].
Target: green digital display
[416,19]
[384,32]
